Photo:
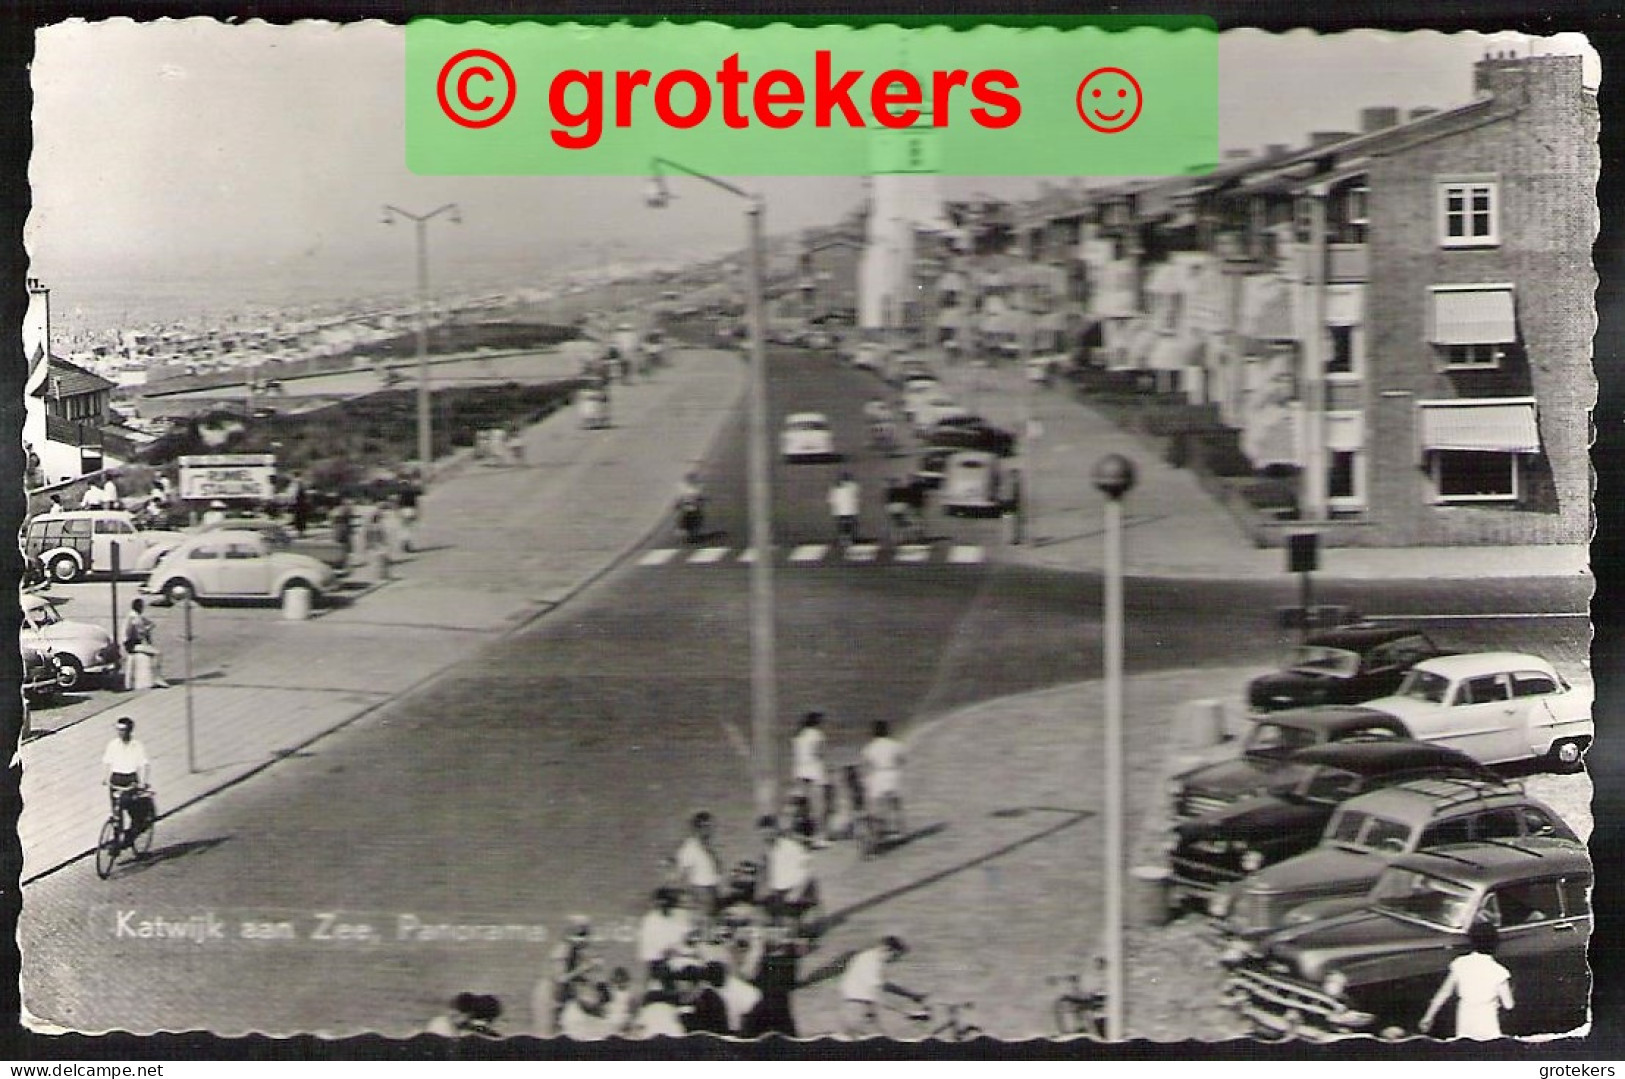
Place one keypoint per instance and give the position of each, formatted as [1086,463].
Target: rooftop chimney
[1375,119]
[1276,149]
[1321,138]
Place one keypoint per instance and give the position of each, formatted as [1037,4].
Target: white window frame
[1357,500]
[1442,499]
[1356,371]
[1454,353]
[1466,185]
[1363,190]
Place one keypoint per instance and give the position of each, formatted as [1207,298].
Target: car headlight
[1252,861]
[1334,983]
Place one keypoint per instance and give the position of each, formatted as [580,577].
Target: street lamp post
[1114,476]
[425,423]
[763,683]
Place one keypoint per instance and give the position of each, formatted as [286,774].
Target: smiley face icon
[1109,100]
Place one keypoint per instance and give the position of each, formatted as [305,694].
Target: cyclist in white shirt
[883,758]
[127,770]
[844,497]
[811,775]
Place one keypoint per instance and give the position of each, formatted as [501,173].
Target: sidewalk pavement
[496,547]
[1172,527]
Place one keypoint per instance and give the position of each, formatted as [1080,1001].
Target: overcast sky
[192,150]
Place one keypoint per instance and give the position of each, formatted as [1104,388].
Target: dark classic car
[1348,665]
[1221,847]
[1373,969]
[1368,834]
[1265,750]
[972,433]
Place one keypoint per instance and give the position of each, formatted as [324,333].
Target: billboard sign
[228,476]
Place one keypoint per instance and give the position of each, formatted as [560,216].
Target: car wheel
[70,673]
[65,568]
[1567,756]
[179,591]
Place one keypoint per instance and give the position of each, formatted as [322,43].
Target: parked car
[971,433]
[592,405]
[1368,833]
[807,437]
[1223,846]
[1265,751]
[235,564]
[820,339]
[1347,665]
[972,483]
[41,675]
[81,650]
[78,543]
[277,534]
[1373,969]
[869,356]
[916,390]
[1497,707]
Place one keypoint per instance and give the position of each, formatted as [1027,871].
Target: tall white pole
[1314,370]
[764,696]
[425,433]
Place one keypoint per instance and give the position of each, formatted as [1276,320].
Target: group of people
[870,790]
[366,528]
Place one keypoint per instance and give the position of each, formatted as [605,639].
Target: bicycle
[1077,1011]
[115,838]
[954,1026]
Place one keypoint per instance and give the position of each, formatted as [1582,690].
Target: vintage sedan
[972,484]
[1346,665]
[1372,969]
[1368,833]
[278,535]
[235,564]
[82,650]
[972,433]
[1497,707]
[1265,751]
[1221,847]
[807,437]
[41,675]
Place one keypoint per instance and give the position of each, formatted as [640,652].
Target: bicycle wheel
[107,849]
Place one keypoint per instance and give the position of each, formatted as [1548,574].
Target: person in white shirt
[110,496]
[864,986]
[127,770]
[1481,985]
[661,933]
[807,748]
[699,872]
[883,759]
[844,497]
[94,497]
[792,891]
[215,515]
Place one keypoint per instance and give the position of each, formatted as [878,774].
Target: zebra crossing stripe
[658,557]
[861,552]
[964,555]
[913,552]
[708,554]
[810,552]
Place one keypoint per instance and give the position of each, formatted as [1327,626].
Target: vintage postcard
[581,530]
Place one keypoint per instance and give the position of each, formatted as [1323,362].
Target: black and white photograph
[907,605]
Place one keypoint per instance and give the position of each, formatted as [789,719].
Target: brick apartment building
[1405,310]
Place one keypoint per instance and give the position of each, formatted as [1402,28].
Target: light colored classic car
[807,437]
[81,650]
[235,564]
[1497,707]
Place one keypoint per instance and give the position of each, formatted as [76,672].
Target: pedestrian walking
[139,648]
[811,776]
[792,889]
[298,504]
[215,515]
[56,507]
[844,498]
[883,759]
[94,497]
[1481,985]
[570,961]
[865,983]
[699,870]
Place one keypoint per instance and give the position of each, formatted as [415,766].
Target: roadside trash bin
[140,667]
[295,604]
[1208,726]
[1150,894]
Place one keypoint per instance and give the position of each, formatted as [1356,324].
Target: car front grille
[1276,1000]
[1249,912]
[1196,805]
[1202,873]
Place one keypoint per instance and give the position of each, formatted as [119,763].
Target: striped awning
[1473,317]
[1484,427]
